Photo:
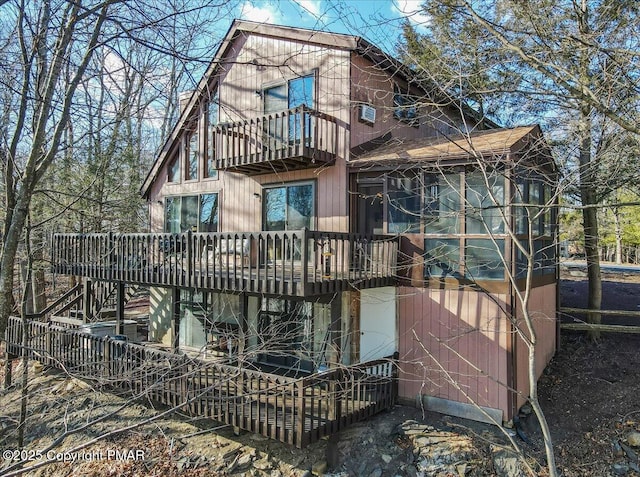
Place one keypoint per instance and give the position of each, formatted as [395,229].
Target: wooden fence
[603,327]
[294,411]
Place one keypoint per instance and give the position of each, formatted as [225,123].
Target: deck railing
[294,139]
[295,411]
[291,263]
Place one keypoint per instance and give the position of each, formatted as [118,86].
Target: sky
[379,21]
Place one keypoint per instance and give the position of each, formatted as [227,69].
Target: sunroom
[469,215]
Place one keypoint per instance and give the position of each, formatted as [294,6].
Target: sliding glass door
[279,98]
[288,207]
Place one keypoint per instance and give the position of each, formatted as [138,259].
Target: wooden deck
[300,263]
[297,411]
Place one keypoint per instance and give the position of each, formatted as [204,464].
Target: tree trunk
[618,225]
[590,221]
[38,279]
[12,239]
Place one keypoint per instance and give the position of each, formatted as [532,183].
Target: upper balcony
[298,138]
[300,263]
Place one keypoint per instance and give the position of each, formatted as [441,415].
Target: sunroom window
[404,193]
[442,204]
[485,199]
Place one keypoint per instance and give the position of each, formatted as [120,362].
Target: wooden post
[48,358]
[189,258]
[304,260]
[119,307]
[111,262]
[8,367]
[87,302]
[299,413]
[334,357]
[175,317]
[104,343]
[243,330]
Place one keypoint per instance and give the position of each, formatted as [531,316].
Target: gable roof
[492,143]
[327,39]
[332,40]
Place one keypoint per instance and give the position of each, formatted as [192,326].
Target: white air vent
[367,113]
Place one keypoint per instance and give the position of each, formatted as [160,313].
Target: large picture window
[191,213]
[484,259]
[285,331]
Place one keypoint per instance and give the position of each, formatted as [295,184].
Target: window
[442,257]
[479,204]
[520,195]
[485,198]
[404,197]
[483,260]
[208,319]
[208,221]
[536,197]
[191,212]
[442,204]
[174,170]
[193,156]
[213,118]
[544,258]
[405,107]
[295,92]
[285,331]
[172,215]
[289,207]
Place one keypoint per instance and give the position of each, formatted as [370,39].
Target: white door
[378,335]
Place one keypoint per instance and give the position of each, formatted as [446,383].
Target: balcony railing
[290,263]
[297,411]
[299,138]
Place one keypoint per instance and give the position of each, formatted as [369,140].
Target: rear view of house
[327,231]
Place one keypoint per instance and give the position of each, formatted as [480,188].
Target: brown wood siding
[466,332]
[542,306]
[256,61]
[375,87]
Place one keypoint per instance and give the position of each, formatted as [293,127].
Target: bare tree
[576,62]
[56,47]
